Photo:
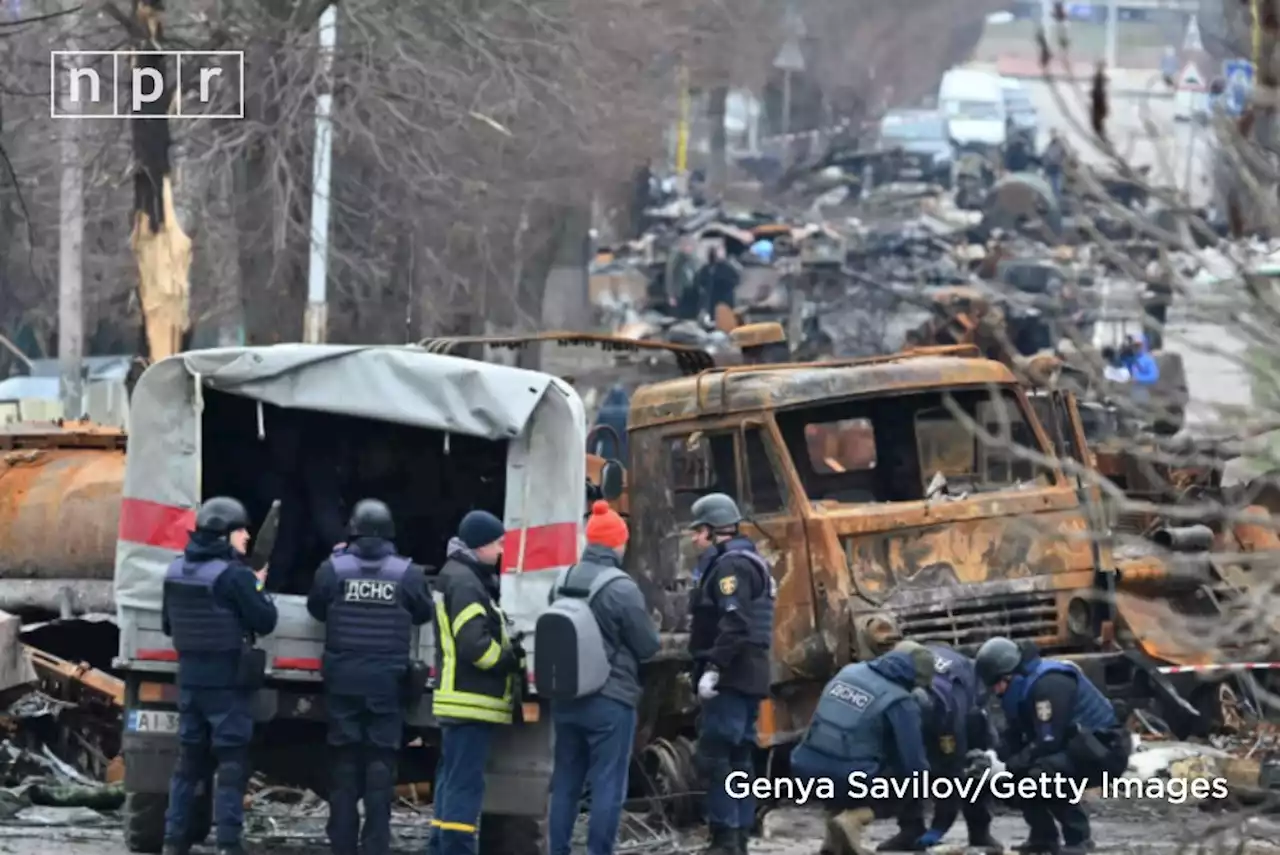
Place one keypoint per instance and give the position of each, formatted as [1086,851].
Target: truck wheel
[512,835]
[144,821]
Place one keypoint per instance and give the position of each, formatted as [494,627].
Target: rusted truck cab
[914,494]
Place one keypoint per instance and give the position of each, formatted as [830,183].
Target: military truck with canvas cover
[433,436]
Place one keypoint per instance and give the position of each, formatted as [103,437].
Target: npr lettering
[89,84]
[369,591]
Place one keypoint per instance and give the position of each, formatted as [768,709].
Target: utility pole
[70,261]
[786,102]
[682,124]
[1113,30]
[315,325]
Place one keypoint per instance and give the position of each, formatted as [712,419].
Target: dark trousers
[809,763]
[364,737]
[726,743]
[593,738]
[1045,815]
[464,752]
[977,814]
[214,731]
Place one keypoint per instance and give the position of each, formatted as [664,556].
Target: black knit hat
[480,528]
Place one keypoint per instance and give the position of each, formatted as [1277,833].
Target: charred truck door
[671,468]
[1061,418]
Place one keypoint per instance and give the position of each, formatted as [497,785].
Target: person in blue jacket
[867,721]
[212,608]
[1058,724]
[955,722]
[1137,357]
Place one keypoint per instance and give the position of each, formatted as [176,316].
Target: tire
[144,821]
[512,835]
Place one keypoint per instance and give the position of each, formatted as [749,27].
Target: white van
[974,101]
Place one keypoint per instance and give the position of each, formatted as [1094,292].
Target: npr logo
[369,591]
[121,84]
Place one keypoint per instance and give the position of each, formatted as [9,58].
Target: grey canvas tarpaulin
[406,385]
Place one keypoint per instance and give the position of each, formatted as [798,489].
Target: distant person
[1113,368]
[1138,359]
[1052,162]
[716,283]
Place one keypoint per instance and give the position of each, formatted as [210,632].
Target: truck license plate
[153,721]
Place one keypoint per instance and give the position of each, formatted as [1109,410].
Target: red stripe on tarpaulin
[546,547]
[154,524]
[296,663]
[158,655]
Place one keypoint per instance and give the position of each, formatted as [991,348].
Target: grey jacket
[629,634]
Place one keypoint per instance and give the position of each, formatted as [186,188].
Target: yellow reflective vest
[473,680]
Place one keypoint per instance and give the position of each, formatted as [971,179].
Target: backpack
[570,659]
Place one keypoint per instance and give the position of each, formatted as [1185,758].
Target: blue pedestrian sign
[1237,80]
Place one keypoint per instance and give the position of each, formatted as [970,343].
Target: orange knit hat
[606,528]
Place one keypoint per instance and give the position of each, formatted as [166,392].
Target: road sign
[1190,77]
[1237,78]
[790,57]
[1192,40]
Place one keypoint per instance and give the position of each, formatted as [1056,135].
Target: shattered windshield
[890,449]
[976,111]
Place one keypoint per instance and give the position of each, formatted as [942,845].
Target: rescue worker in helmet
[868,721]
[369,598]
[212,608]
[954,722]
[1059,724]
[730,636]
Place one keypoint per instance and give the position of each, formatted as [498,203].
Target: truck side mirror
[611,479]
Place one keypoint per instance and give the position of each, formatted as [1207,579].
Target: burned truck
[910,495]
[433,436]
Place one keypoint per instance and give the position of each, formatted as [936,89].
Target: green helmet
[715,510]
[997,658]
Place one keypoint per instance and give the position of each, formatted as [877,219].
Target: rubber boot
[742,841]
[724,841]
[1078,848]
[980,838]
[844,832]
[904,840]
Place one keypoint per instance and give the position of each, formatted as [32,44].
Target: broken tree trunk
[160,247]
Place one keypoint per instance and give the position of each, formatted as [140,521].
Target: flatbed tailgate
[293,650]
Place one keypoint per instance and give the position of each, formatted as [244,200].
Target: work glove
[932,837]
[980,760]
[707,685]
[508,662]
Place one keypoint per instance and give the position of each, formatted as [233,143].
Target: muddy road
[1130,826]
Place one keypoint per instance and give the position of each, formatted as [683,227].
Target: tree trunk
[718,174]
[161,249]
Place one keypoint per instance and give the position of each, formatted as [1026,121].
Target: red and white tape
[1231,666]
